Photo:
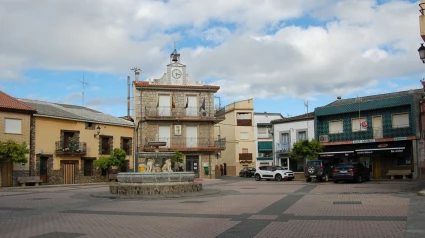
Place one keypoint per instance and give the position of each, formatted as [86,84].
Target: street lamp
[97,131]
[421,51]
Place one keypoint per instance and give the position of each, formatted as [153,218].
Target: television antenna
[82,92]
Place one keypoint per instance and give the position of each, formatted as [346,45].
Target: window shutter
[62,139]
[100,144]
[111,144]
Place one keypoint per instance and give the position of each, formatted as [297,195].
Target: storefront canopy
[395,147]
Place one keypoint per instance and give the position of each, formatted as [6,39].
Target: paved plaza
[236,207]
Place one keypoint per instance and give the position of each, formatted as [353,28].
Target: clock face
[176,73]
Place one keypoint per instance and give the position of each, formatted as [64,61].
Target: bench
[401,172]
[29,180]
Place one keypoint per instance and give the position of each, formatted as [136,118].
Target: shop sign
[397,151]
[363,141]
[400,138]
[327,155]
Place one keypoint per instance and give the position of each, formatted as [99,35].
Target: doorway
[192,164]
[43,169]
[376,168]
[6,174]
[68,173]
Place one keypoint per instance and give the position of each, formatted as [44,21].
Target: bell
[175,58]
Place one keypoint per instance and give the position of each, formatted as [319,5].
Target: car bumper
[344,177]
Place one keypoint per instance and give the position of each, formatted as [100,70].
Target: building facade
[15,125]
[286,132]
[264,137]
[180,112]
[238,129]
[68,138]
[381,131]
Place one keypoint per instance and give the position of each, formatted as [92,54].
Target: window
[90,126]
[244,119]
[244,150]
[106,144]
[357,124]
[244,136]
[124,168]
[88,167]
[301,135]
[335,127]
[126,145]
[13,126]
[262,132]
[400,120]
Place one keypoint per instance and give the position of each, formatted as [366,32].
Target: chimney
[137,76]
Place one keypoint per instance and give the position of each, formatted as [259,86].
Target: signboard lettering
[363,141]
[400,138]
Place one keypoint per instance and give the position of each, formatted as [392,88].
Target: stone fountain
[158,177]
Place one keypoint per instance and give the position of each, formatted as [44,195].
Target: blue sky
[281,53]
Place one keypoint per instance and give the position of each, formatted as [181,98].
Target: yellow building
[15,124]
[238,129]
[180,112]
[68,138]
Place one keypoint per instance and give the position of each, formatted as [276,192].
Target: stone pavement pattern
[243,208]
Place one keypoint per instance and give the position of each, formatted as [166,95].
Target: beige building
[180,112]
[68,138]
[238,128]
[15,124]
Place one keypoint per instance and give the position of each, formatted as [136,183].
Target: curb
[204,192]
[421,193]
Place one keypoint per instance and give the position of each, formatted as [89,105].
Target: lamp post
[97,131]
[421,51]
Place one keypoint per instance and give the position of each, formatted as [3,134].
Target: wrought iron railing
[176,112]
[282,147]
[370,133]
[189,142]
[79,148]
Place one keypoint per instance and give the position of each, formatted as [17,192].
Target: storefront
[378,157]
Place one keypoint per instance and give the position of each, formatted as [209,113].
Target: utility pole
[83,83]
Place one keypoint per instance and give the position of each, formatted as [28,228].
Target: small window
[13,126]
[106,144]
[244,136]
[358,124]
[90,126]
[88,167]
[302,135]
[400,120]
[126,145]
[335,127]
[244,150]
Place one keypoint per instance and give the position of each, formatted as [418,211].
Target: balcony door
[191,106]
[164,134]
[191,136]
[164,105]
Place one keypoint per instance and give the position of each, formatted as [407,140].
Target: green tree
[13,152]
[117,158]
[177,158]
[305,149]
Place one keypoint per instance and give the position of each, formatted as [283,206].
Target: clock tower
[176,71]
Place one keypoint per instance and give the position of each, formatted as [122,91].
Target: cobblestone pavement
[242,208]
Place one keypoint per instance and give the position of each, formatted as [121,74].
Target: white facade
[263,133]
[286,133]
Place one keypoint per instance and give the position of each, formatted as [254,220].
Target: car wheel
[257,177]
[359,179]
[326,178]
[335,181]
[278,177]
[308,180]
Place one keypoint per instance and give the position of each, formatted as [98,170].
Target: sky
[281,53]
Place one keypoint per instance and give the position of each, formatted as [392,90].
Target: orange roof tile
[8,102]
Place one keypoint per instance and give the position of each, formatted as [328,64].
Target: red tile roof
[10,103]
[147,84]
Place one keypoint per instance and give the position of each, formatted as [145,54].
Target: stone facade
[154,189]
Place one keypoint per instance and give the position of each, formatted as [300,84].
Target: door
[284,163]
[192,164]
[164,105]
[6,174]
[191,136]
[164,134]
[43,169]
[68,173]
[191,106]
[376,166]
[377,127]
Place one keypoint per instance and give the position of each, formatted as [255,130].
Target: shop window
[336,127]
[400,120]
[404,161]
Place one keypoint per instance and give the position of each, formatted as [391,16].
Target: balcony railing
[186,143]
[370,133]
[282,147]
[80,148]
[245,157]
[177,112]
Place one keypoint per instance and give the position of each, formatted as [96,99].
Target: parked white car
[273,172]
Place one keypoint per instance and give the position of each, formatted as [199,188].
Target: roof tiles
[8,102]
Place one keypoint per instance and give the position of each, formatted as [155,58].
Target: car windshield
[313,163]
[345,166]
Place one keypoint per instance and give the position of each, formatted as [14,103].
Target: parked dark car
[247,172]
[318,169]
[356,172]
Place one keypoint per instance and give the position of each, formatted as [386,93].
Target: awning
[383,148]
[337,151]
[265,158]
[265,146]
